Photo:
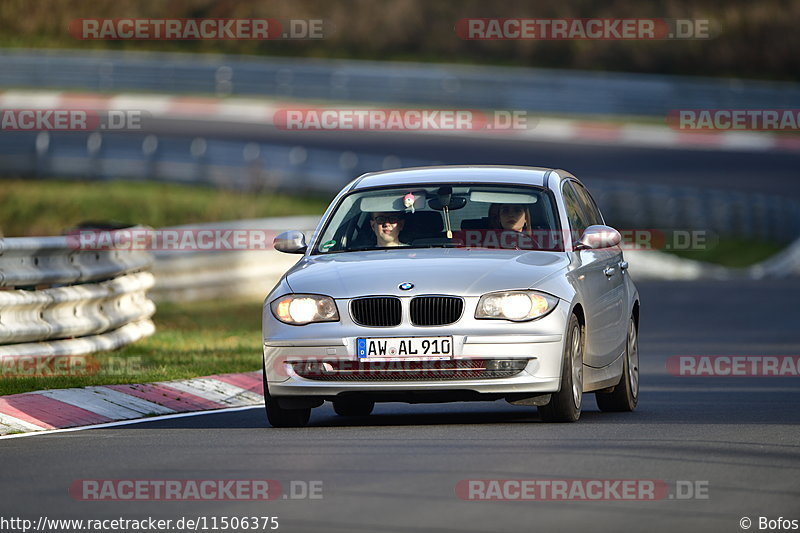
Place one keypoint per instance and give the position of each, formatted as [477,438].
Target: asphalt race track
[772,172]
[737,438]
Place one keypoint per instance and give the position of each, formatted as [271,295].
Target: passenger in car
[513,223]
[387,227]
[514,217]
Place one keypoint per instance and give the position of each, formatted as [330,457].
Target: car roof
[490,174]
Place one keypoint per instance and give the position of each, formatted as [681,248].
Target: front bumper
[537,345]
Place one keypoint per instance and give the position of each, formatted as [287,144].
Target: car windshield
[443,216]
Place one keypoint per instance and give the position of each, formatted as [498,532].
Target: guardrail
[247,165]
[199,157]
[544,90]
[721,213]
[56,299]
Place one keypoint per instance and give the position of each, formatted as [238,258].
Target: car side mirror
[597,237]
[291,242]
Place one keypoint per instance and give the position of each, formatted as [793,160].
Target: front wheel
[285,418]
[625,395]
[279,417]
[565,405]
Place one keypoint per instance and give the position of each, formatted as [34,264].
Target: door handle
[609,271]
[623,266]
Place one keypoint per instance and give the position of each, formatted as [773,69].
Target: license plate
[405,347]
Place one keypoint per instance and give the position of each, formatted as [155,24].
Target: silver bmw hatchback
[453,283]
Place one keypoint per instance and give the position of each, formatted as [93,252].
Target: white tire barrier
[74,311]
[111,340]
[57,299]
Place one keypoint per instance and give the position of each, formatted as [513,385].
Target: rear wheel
[565,405]
[625,395]
[353,406]
[280,417]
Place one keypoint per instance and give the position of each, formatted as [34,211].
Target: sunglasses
[384,220]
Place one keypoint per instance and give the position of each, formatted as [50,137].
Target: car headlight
[515,305]
[299,309]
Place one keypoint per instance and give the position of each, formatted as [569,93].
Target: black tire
[285,418]
[565,405]
[353,407]
[279,417]
[625,395]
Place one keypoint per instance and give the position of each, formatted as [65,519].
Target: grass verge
[732,253]
[192,339]
[48,207]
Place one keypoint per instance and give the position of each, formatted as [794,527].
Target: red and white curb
[546,129]
[67,408]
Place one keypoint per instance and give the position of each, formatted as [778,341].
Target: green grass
[733,253]
[191,339]
[48,207]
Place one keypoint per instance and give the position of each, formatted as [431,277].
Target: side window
[587,202]
[578,221]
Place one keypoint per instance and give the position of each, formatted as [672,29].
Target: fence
[196,155]
[543,90]
[247,165]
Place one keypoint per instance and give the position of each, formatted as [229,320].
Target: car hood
[465,272]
